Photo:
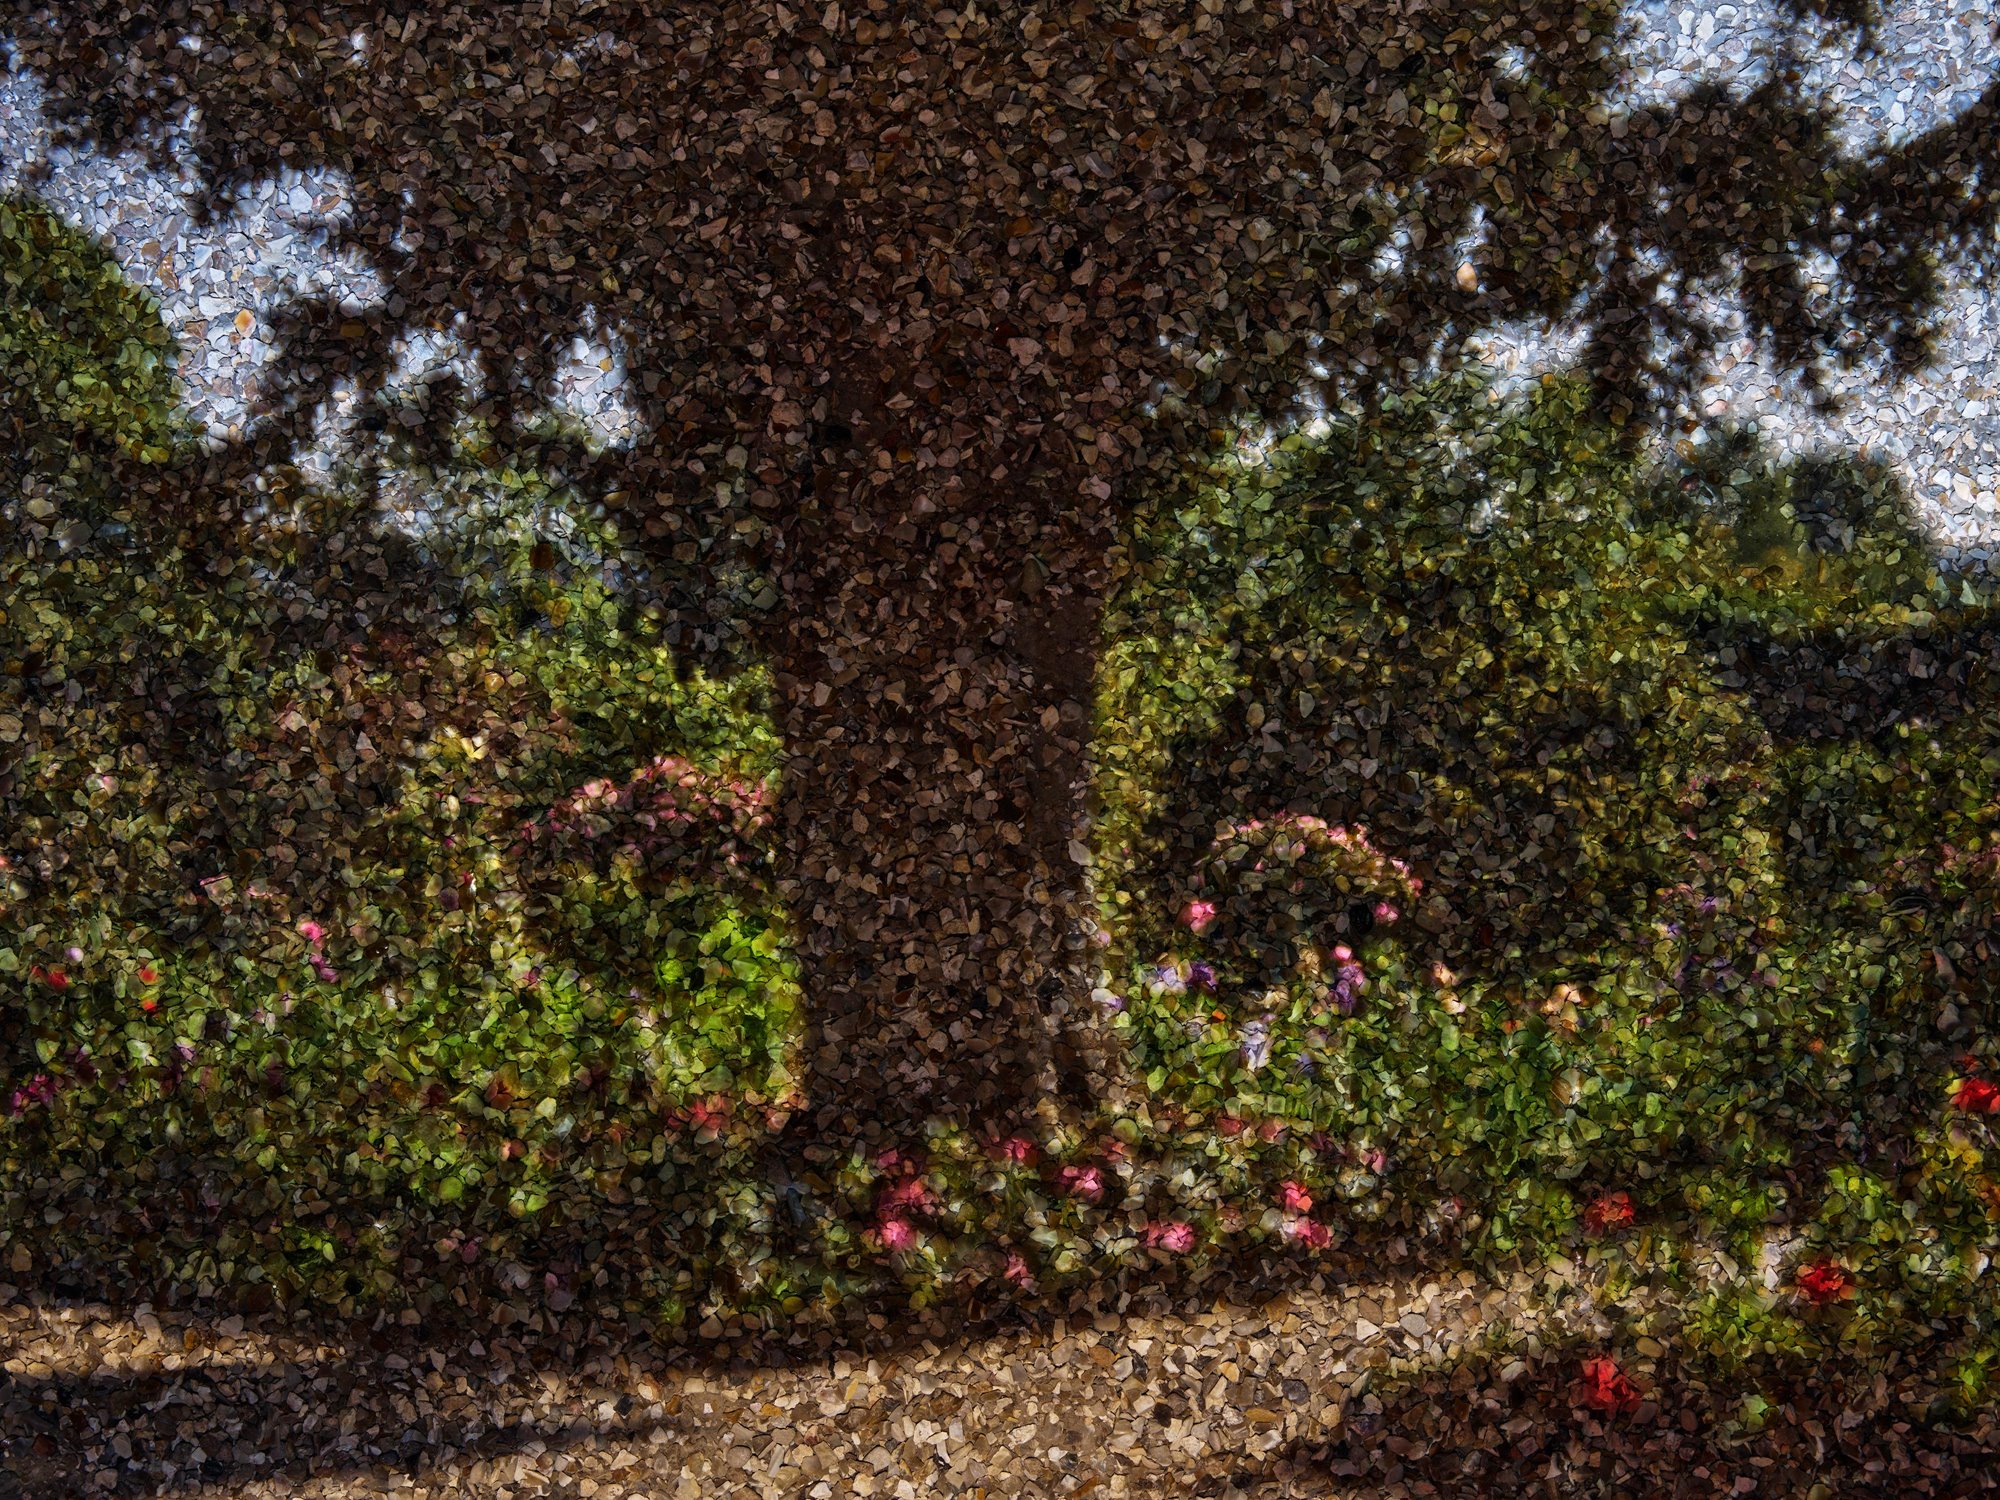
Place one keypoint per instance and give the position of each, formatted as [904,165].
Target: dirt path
[1158,1400]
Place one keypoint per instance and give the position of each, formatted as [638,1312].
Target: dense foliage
[1696,764]
[313,912]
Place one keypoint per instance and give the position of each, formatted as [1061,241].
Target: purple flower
[1201,976]
[1350,981]
[1257,1044]
[1166,979]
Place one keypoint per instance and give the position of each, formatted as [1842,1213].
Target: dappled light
[814,686]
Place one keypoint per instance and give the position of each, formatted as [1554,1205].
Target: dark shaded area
[1489,1426]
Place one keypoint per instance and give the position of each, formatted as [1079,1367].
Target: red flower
[1977,1096]
[148,974]
[1607,1212]
[1605,1388]
[1017,1149]
[1308,1232]
[711,1113]
[908,1194]
[1824,1281]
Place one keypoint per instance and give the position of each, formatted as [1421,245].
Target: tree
[909,281]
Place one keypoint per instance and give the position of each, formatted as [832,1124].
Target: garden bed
[1503,845]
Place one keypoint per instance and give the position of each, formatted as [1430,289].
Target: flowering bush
[1665,878]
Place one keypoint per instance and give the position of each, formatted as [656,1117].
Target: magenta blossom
[897,1234]
[1017,1270]
[1198,916]
[1081,1182]
[326,971]
[1293,1197]
[908,1194]
[1018,1150]
[41,1089]
[1176,1238]
[312,932]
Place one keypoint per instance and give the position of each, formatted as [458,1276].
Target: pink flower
[312,932]
[1308,1232]
[1293,1198]
[911,1194]
[41,1089]
[326,971]
[1017,1270]
[897,1234]
[1018,1150]
[1385,913]
[1176,1237]
[1197,916]
[1081,1182]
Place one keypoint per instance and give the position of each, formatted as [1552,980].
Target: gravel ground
[1159,1399]
[1134,1404]
[1350,1383]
